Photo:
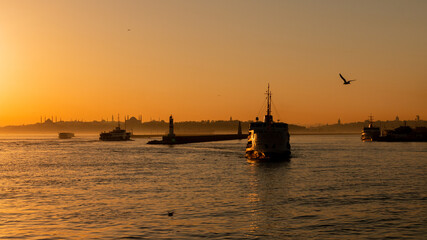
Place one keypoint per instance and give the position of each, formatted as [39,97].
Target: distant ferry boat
[405,134]
[268,139]
[370,133]
[400,134]
[117,134]
[65,135]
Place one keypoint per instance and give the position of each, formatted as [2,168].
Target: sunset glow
[212,60]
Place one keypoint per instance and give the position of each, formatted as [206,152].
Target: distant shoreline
[195,128]
[160,135]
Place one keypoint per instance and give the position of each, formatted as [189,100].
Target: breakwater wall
[170,140]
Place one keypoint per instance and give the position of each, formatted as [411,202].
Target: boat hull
[370,134]
[114,137]
[258,155]
[65,135]
[268,143]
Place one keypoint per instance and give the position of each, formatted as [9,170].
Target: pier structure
[171,138]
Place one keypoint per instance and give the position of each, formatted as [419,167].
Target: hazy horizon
[59,120]
[212,60]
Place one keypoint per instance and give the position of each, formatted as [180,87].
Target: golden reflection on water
[253,197]
[268,193]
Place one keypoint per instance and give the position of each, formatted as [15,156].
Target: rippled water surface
[334,187]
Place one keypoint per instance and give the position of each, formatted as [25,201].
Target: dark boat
[405,134]
[65,135]
[370,133]
[268,139]
[117,134]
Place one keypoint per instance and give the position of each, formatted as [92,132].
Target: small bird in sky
[345,81]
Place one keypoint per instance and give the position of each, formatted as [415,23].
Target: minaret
[171,134]
[239,130]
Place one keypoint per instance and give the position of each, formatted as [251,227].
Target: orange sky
[202,60]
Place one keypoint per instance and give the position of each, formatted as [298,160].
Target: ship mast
[268,118]
[371,120]
[268,101]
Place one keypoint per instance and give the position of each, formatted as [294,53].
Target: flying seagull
[345,81]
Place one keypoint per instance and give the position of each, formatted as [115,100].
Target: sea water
[333,187]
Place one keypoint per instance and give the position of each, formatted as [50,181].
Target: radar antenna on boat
[268,118]
[268,100]
[371,120]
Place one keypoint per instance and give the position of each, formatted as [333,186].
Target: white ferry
[370,133]
[117,134]
[268,139]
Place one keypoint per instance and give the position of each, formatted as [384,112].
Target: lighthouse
[171,134]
